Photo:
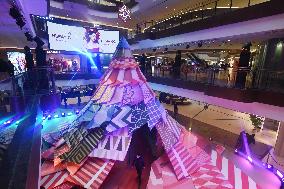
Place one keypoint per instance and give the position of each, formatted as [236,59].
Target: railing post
[231,4]
[202,12]
[248,3]
[215,9]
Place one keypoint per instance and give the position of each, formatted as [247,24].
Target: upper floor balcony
[214,14]
[104,5]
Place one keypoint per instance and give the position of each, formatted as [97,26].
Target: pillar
[279,146]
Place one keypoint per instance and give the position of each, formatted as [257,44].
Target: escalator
[197,60]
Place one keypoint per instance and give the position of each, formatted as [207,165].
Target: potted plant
[256,121]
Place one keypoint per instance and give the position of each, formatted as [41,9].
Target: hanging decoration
[124,13]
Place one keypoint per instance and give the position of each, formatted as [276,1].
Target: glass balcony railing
[186,16]
[241,78]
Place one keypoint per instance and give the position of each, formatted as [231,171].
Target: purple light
[279,174]
[250,159]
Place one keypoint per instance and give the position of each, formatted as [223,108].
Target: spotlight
[17,122]
[270,167]
[63,114]
[77,112]
[69,113]
[250,159]
[56,116]
[279,174]
[49,117]
[15,13]
[236,150]
[38,41]
[20,22]
[29,36]
[43,118]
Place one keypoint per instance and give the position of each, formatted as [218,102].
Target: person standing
[177,64]
[175,110]
[243,67]
[143,63]
[139,166]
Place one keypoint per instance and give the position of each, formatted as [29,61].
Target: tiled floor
[225,119]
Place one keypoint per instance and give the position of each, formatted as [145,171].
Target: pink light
[236,150]
[279,174]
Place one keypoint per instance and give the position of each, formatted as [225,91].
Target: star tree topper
[124,13]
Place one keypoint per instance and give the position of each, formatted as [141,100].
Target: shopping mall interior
[147,94]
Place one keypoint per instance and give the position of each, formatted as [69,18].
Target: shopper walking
[139,166]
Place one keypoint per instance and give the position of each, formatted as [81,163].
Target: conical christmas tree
[101,134]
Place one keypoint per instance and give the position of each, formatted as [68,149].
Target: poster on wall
[80,39]
[18,60]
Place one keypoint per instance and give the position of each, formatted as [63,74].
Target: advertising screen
[18,60]
[72,38]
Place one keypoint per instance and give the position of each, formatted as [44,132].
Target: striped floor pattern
[235,175]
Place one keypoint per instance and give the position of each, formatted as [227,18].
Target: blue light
[49,117]
[77,112]
[43,117]
[63,114]
[69,113]
[17,122]
[56,116]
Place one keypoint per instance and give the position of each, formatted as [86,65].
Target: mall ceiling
[145,10]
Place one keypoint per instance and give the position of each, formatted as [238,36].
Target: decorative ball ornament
[124,13]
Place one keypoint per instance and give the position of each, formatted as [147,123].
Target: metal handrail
[174,20]
[244,78]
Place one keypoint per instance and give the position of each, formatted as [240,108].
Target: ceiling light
[229,40]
